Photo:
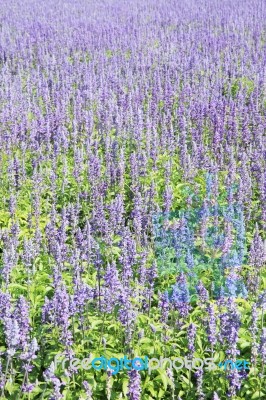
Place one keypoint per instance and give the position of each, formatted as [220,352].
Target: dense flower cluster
[133,195]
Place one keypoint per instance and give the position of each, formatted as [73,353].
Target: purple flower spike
[134,389]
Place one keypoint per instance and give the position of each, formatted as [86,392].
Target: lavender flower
[191,334]
[111,289]
[5,305]
[234,382]
[180,296]
[254,332]
[22,317]
[126,314]
[257,253]
[88,390]
[199,377]
[262,348]
[49,376]
[134,389]
[2,377]
[28,388]
[229,329]
[12,334]
[212,335]
[29,354]
[164,306]
[202,293]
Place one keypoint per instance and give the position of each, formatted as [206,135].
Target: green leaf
[125,386]
[257,395]
[17,286]
[163,377]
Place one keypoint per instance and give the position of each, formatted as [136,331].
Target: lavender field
[132,199]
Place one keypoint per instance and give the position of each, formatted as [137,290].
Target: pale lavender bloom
[57,311]
[88,390]
[257,255]
[212,334]
[30,353]
[5,305]
[28,388]
[134,388]
[2,376]
[168,197]
[21,314]
[49,376]
[199,377]
[112,288]
[262,348]
[10,258]
[180,296]
[191,335]
[126,314]
[234,382]
[141,334]
[12,334]
[254,331]
[202,293]
[164,306]
[229,329]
